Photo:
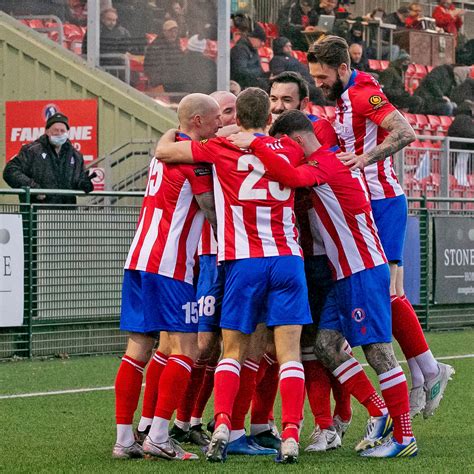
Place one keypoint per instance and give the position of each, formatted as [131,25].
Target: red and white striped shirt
[254,215]
[359,112]
[342,205]
[170,221]
[207,242]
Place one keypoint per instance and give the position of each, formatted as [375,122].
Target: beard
[335,91]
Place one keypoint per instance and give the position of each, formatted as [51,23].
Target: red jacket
[444,20]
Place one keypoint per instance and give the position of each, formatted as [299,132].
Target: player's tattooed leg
[380,357]
[329,348]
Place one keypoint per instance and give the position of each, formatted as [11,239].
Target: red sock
[406,329]
[186,406]
[205,392]
[226,386]
[318,388]
[342,397]
[292,398]
[152,379]
[395,393]
[248,374]
[265,392]
[176,374]
[128,385]
[351,375]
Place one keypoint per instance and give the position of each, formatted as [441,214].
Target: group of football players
[300,229]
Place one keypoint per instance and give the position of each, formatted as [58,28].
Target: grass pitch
[74,432]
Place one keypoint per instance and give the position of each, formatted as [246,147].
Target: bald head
[199,116]
[226,101]
[355,50]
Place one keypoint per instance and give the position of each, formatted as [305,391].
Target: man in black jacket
[50,162]
[245,64]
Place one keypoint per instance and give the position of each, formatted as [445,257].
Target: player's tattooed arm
[328,348]
[380,357]
[400,135]
[206,203]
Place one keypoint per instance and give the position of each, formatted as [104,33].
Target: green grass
[75,432]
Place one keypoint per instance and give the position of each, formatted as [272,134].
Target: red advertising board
[25,122]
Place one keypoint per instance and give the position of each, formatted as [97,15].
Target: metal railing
[74,256]
[56,26]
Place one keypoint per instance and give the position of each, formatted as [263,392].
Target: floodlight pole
[223,45]
[93,33]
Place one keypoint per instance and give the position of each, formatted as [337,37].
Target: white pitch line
[102,389]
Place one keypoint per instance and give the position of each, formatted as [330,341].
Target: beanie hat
[403,55]
[279,44]
[197,45]
[258,32]
[57,118]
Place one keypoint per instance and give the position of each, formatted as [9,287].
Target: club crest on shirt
[203,141]
[313,163]
[358,315]
[376,101]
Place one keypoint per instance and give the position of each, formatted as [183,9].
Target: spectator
[199,66]
[398,18]
[462,127]
[355,35]
[283,61]
[378,15]
[138,17]
[465,88]
[114,39]
[177,12]
[358,59]
[50,162]
[435,90]
[202,15]
[164,60]
[414,19]
[448,17]
[392,81]
[245,64]
[294,18]
[327,7]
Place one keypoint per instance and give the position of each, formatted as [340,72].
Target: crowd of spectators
[172,38]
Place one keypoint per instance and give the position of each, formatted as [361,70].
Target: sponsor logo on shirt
[376,101]
[202,171]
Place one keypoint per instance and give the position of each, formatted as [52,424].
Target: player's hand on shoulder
[242,139]
[352,160]
[227,130]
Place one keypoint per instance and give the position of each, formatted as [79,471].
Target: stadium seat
[384,64]
[445,122]
[422,123]
[420,70]
[183,42]
[266,55]
[434,123]
[150,37]
[374,64]
[411,119]
[300,56]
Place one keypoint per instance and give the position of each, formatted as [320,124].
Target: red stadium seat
[384,64]
[374,64]
[272,30]
[300,56]
[434,122]
[150,37]
[73,32]
[446,122]
[411,119]
[422,122]
[420,70]
[35,23]
[183,42]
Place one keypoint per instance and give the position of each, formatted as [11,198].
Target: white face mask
[58,140]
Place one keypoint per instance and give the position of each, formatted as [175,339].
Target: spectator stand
[49,25]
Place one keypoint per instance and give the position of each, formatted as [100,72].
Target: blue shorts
[320,281]
[390,217]
[152,302]
[268,289]
[359,307]
[209,293]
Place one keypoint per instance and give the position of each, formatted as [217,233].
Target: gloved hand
[86,184]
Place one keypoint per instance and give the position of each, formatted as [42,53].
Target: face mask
[58,140]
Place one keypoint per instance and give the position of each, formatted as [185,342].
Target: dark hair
[331,50]
[253,108]
[291,77]
[291,121]
[403,10]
